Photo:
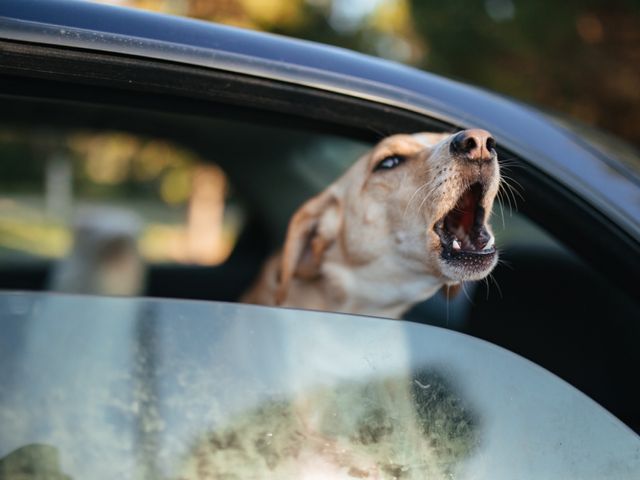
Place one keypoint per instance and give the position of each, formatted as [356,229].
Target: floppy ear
[312,229]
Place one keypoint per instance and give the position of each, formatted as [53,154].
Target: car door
[278,131]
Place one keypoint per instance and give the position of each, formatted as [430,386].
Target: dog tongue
[468,211]
[463,215]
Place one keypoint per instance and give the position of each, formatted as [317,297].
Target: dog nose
[475,145]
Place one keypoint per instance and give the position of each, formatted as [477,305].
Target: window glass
[60,187]
[106,388]
[607,143]
[95,210]
[119,201]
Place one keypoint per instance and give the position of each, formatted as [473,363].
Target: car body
[262,105]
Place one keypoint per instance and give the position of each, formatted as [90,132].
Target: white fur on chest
[385,287]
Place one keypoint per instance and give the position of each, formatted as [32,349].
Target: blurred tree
[578,57]
[379,27]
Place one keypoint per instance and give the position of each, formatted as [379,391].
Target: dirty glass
[117,388]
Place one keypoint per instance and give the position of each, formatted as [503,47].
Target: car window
[99,208]
[265,165]
[109,388]
[607,143]
[112,184]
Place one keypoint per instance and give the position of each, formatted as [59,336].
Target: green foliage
[579,58]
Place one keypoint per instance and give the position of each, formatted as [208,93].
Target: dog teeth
[489,244]
[456,245]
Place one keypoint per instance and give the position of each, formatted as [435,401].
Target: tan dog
[406,219]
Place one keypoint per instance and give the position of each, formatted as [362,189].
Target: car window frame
[53,72]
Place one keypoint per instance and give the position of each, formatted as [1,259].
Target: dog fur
[367,244]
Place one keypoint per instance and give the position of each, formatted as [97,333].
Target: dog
[408,218]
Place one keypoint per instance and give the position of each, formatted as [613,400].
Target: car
[117,124]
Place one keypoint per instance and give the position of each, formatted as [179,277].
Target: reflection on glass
[53,179]
[32,462]
[389,427]
[104,258]
[121,388]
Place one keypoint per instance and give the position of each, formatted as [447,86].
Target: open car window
[260,167]
[63,189]
[125,388]
[103,209]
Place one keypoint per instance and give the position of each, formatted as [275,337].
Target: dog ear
[312,229]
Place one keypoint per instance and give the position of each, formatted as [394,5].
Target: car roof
[595,175]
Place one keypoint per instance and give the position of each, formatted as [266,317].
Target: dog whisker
[514,194]
[486,284]
[511,161]
[448,301]
[509,194]
[406,209]
[492,278]
[500,201]
[514,188]
[466,294]
[427,197]
[505,263]
[508,163]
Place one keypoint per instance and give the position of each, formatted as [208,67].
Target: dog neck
[385,287]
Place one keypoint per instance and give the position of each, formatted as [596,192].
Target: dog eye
[389,162]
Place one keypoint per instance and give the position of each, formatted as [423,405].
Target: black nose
[475,145]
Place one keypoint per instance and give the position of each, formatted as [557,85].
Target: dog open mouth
[463,233]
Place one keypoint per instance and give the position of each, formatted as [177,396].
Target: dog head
[415,203]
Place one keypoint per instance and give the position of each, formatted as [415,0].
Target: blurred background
[580,58]
[167,204]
